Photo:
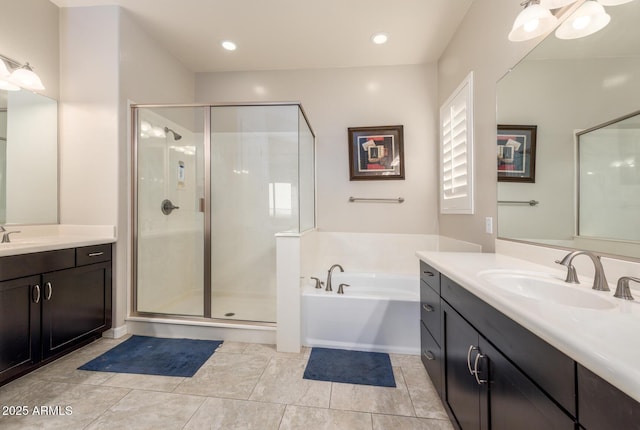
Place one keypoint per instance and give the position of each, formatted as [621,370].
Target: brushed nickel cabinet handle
[427,308]
[471,348]
[96,254]
[48,291]
[429,355]
[428,273]
[476,371]
[36,290]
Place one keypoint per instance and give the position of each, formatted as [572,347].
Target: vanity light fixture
[21,76]
[532,22]
[228,45]
[380,38]
[557,4]
[587,19]
[4,75]
[613,2]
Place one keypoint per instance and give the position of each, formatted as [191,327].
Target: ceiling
[295,34]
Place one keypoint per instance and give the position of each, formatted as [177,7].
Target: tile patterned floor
[242,386]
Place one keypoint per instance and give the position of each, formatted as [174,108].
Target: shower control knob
[167,207]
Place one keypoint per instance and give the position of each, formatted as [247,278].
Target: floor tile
[395,422]
[300,417]
[226,375]
[228,414]
[270,351]
[232,347]
[405,360]
[149,410]
[425,398]
[282,382]
[74,405]
[144,382]
[366,398]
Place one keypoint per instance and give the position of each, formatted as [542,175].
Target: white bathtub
[377,312]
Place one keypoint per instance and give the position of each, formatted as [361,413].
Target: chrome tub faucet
[329,276]
[599,280]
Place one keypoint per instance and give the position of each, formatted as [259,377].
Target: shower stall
[212,186]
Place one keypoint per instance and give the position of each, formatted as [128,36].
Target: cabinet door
[76,306]
[464,396]
[19,326]
[515,402]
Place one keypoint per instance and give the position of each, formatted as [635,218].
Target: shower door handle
[167,207]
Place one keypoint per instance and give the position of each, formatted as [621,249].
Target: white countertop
[604,341]
[38,238]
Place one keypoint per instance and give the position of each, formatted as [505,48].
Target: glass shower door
[170,222]
[254,195]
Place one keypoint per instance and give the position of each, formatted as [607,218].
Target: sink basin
[543,287]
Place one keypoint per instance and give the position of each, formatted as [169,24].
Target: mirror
[564,87]
[28,158]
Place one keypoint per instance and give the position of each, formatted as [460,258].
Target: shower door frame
[207,293]
[207,212]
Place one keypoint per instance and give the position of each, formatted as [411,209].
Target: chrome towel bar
[519,202]
[371,199]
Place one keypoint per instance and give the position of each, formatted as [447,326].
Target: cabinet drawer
[18,266]
[93,254]
[602,406]
[431,355]
[430,276]
[430,311]
[526,350]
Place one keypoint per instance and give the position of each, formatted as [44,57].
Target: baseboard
[115,333]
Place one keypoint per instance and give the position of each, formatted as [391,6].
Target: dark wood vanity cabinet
[603,406]
[484,390]
[431,325]
[490,372]
[19,326]
[50,303]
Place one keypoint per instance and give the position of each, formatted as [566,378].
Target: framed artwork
[517,153]
[376,153]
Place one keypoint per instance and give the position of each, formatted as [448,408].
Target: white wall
[101,68]
[480,45]
[335,99]
[29,33]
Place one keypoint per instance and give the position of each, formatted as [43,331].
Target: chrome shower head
[176,136]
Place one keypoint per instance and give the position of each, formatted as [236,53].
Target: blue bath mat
[155,356]
[350,367]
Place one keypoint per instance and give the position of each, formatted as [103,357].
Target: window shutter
[456,151]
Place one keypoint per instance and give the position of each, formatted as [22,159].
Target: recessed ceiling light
[379,38]
[228,45]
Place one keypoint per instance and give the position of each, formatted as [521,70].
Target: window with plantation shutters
[456,156]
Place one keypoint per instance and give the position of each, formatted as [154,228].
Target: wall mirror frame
[28,158]
[565,87]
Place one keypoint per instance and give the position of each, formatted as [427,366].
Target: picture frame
[376,153]
[516,153]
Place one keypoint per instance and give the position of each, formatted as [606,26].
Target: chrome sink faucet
[329,276]
[622,289]
[599,280]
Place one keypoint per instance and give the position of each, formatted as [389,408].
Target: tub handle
[428,355]
[427,308]
[341,289]
[319,283]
